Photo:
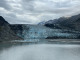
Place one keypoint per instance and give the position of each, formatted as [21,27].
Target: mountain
[6,34]
[61,28]
[65,23]
[20,29]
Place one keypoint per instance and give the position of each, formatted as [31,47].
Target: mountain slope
[65,23]
[6,33]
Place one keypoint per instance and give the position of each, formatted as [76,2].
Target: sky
[35,11]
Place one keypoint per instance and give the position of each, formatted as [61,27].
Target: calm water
[25,51]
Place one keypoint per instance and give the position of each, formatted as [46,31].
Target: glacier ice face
[42,32]
[36,32]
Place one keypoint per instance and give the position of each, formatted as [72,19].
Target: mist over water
[41,52]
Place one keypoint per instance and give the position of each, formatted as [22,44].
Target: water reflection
[42,52]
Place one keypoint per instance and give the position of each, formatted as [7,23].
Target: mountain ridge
[65,23]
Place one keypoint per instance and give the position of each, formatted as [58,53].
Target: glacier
[41,32]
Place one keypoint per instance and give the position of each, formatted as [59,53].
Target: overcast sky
[35,11]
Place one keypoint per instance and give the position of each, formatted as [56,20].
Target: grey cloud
[34,11]
[3,4]
[29,6]
[12,19]
[27,0]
